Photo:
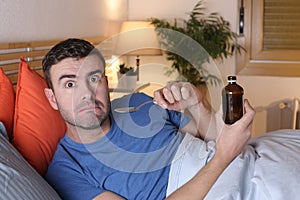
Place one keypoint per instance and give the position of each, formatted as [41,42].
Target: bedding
[37,126]
[32,125]
[7,102]
[269,168]
[3,131]
[18,179]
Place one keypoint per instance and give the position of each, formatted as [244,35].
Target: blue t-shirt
[132,160]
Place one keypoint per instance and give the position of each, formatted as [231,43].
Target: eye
[70,84]
[94,78]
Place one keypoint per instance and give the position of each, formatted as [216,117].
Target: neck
[86,136]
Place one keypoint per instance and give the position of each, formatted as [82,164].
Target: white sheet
[269,168]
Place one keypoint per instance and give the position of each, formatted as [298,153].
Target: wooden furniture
[33,53]
[261,58]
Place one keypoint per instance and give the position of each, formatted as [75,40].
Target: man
[110,155]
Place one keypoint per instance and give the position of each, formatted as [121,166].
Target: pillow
[3,131]
[37,126]
[18,179]
[7,102]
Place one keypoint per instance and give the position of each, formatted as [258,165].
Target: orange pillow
[37,126]
[7,103]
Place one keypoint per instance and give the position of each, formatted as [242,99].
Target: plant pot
[131,82]
[126,81]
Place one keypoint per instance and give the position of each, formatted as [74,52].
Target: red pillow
[7,103]
[37,126]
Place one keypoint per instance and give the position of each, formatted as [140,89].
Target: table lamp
[137,38]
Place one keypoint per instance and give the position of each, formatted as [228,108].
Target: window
[271,38]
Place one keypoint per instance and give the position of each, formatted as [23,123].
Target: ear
[51,98]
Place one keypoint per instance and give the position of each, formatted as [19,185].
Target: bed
[27,142]
[18,179]
[267,169]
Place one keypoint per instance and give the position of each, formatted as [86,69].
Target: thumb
[249,113]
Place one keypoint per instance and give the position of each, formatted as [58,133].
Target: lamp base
[137,68]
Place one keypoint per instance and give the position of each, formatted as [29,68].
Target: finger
[185,92]
[167,94]
[191,94]
[248,107]
[176,92]
[249,114]
[159,99]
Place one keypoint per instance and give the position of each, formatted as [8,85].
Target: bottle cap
[231,79]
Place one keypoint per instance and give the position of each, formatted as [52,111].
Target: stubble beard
[90,121]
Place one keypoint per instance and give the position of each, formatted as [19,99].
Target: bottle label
[233,107]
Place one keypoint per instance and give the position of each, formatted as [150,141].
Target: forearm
[202,182]
[203,121]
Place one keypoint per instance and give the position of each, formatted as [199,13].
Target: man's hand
[233,138]
[183,96]
[178,96]
[230,142]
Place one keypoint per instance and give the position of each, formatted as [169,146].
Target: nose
[86,92]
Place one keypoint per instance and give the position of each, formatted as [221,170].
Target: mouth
[90,108]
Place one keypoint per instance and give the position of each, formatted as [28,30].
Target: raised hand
[178,96]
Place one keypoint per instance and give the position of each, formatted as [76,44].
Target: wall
[261,91]
[153,68]
[27,20]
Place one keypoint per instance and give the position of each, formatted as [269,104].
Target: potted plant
[127,77]
[211,31]
[123,69]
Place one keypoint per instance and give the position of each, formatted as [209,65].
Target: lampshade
[137,38]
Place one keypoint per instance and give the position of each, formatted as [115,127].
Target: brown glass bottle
[232,100]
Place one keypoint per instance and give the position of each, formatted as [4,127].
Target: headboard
[33,52]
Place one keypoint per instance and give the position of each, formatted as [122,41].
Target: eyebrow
[66,76]
[95,72]
[74,76]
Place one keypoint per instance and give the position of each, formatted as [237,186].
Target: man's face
[81,92]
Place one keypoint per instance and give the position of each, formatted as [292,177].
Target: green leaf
[211,31]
